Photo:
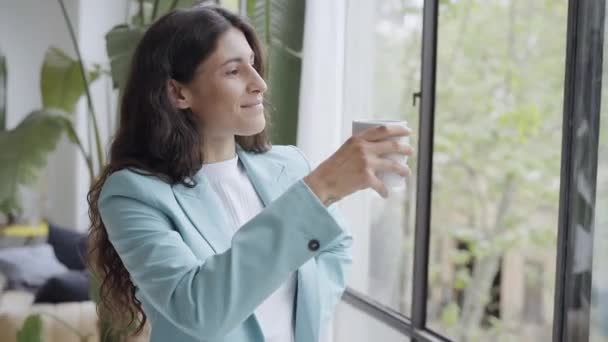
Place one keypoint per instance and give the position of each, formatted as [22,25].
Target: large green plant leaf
[120,46]
[31,331]
[280,25]
[24,150]
[61,80]
[3,76]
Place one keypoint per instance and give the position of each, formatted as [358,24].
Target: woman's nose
[257,84]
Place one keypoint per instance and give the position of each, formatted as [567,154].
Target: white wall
[96,19]
[27,29]
[356,103]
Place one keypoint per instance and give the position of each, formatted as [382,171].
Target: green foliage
[25,148]
[462,279]
[23,153]
[499,115]
[61,81]
[31,331]
[120,46]
[280,25]
[450,315]
[461,257]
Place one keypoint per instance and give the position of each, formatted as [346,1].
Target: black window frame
[582,105]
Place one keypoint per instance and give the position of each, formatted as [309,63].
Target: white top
[241,203]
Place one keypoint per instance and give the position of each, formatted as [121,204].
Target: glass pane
[352,325]
[599,286]
[395,77]
[496,165]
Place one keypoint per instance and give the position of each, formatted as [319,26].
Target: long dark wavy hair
[157,138]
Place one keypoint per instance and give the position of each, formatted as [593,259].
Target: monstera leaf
[280,25]
[31,331]
[24,150]
[2,92]
[61,81]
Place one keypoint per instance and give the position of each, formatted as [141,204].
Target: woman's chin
[254,126]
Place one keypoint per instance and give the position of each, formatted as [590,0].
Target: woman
[198,223]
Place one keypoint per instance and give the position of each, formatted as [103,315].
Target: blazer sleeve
[333,263]
[208,298]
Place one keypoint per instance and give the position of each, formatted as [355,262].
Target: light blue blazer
[195,282]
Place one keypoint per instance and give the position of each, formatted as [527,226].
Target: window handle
[415,96]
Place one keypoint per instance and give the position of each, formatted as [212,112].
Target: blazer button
[313,245]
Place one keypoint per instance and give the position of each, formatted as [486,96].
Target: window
[385,228]
[501,241]
[496,167]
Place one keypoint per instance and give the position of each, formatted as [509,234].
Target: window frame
[582,100]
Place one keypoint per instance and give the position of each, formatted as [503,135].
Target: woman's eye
[233,72]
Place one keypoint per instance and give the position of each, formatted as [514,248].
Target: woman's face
[227,92]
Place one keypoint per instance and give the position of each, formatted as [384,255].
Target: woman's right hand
[354,165]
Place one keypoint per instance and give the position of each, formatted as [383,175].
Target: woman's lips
[252,105]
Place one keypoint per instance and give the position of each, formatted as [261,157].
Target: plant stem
[3,77]
[141,13]
[173,5]
[127,11]
[100,156]
[86,156]
[155,9]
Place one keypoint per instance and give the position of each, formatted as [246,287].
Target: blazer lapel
[205,212]
[267,176]
[204,209]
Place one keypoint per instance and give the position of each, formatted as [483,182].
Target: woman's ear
[179,94]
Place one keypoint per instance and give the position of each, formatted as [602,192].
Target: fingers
[378,186]
[384,132]
[391,146]
[363,153]
[385,165]
[389,165]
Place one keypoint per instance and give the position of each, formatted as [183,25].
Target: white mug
[392,181]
